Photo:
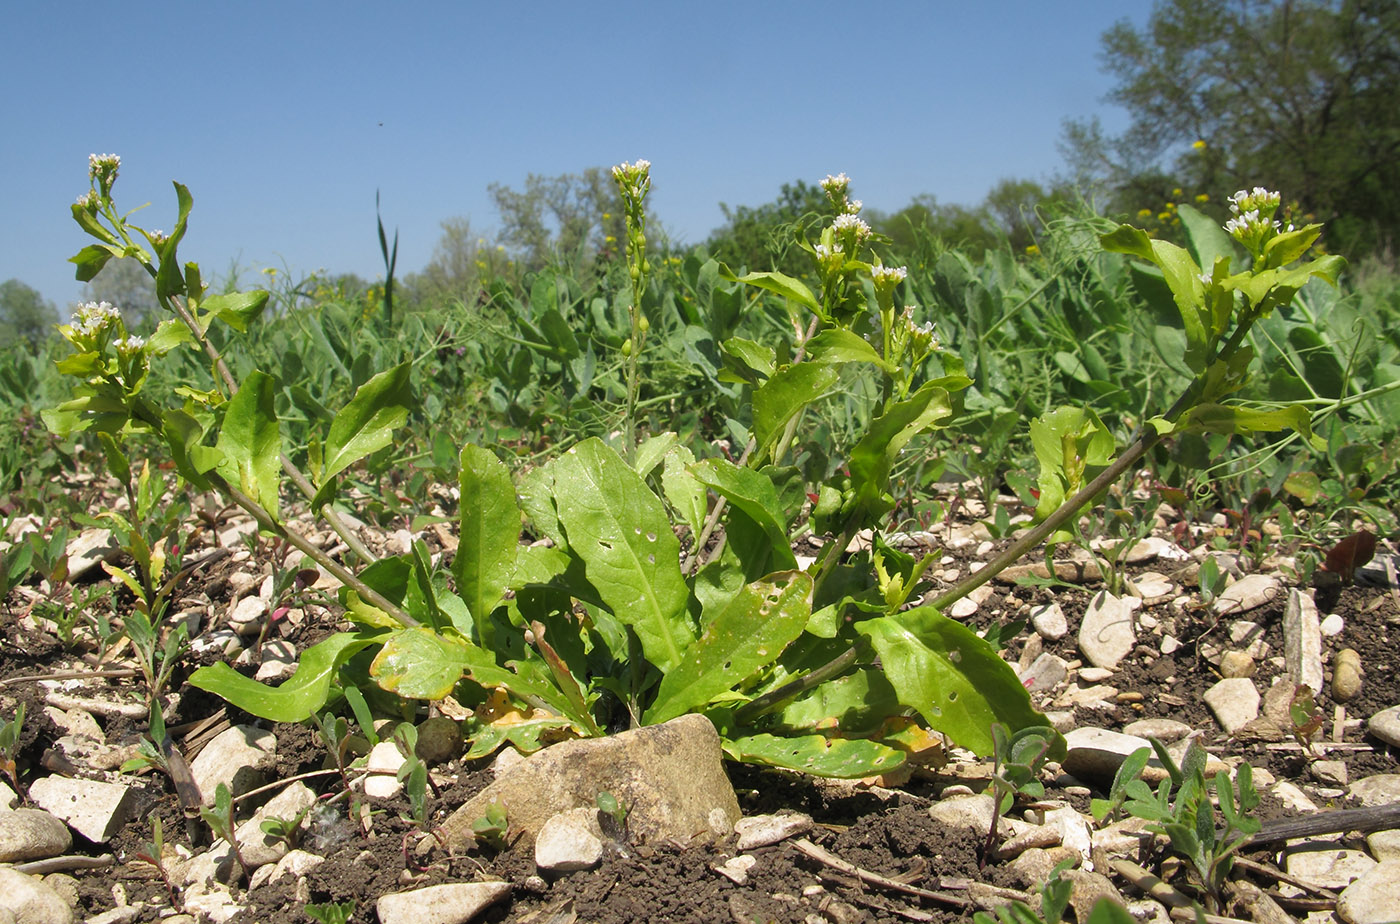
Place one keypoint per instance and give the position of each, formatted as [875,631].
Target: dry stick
[1365,820]
[70,675]
[825,857]
[63,864]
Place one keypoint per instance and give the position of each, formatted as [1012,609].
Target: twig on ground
[64,864]
[827,858]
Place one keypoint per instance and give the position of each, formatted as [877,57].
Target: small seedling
[154,855]
[1054,897]
[612,816]
[1130,769]
[9,744]
[335,735]
[221,821]
[331,912]
[492,827]
[286,830]
[1188,818]
[1018,759]
[1305,718]
[413,773]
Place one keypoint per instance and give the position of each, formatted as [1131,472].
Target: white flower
[93,317]
[889,275]
[99,165]
[848,222]
[853,206]
[130,344]
[836,184]
[826,253]
[1205,279]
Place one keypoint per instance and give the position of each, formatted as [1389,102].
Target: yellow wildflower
[1203,197]
[1199,144]
[1033,250]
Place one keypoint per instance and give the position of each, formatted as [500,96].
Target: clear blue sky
[283,118]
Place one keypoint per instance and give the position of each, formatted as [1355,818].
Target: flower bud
[627,347]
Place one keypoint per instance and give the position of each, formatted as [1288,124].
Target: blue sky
[271,112]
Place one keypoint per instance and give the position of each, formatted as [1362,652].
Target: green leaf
[490,535]
[786,394]
[840,758]
[1223,418]
[367,423]
[1108,911]
[836,345]
[236,309]
[778,283]
[745,637]
[301,695]
[419,663]
[620,531]
[952,677]
[90,261]
[754,494]
[250,443]
[756,357]
[874,456]
[1205,238]
[685,492]
[650,453]
[168,279]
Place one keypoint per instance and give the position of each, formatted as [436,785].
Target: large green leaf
[840,758]
[685,492]
[620,531]
[1224,418]
[753,493]
[742,639]
[419,663]
[367,423]
[785,395]
[873,457]
[301,695]
[777,283]
[250,443]
[951,676]
[835,345]
[490,534]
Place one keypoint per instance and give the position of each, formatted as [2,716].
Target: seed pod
[627,347]
[1346,675]
[643,324]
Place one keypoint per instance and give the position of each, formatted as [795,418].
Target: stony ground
[1153,659]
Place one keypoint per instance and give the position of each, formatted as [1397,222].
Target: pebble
[1330,867]
[1106,633]
[1346,675]
[384,762]
[1380,789]
[1234,702]
[8,799]
[1098,696]
[32,834]
[1373,898]
[30,901]
[1384,845]
[237,757]
[1095,674]
[1331,772]
[1236,664]
[765,830]
[569,842]
[246,616]
[1385,725]
[94,809]
[87,549]
[453,903]
[1096,753]
[1332,625]
[1049,621]
[1164,730]
[1248,593]
[1302,640]
[279,660]
[736,869]
[439,740]
[296,863]
[1045,673]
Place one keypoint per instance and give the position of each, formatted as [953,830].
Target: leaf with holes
[618,527]
[743,638]
[952,677]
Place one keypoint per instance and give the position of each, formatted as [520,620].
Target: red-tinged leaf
[1349,554]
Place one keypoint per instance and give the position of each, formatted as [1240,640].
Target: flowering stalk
[634,182]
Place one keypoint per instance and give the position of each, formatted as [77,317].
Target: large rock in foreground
[670,778]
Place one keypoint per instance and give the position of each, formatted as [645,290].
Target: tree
[1294,95]
[25,314]
[574,216]
[126,284]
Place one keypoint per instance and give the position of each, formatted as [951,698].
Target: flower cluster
[92,318]
[102,171]
[634,180]
[837,189]
[885,279]
[852,230]
[831,258]
[129,345]
[1253,222]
